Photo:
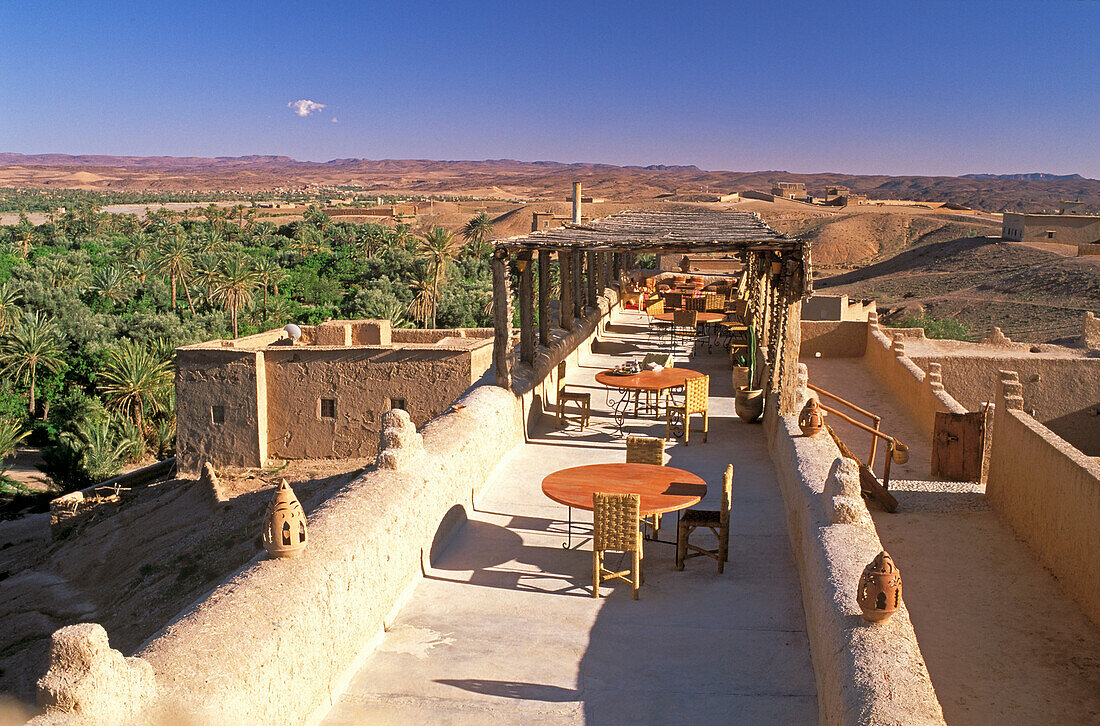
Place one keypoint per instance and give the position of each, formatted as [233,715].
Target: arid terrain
[510,180]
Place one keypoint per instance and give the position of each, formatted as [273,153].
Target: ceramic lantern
[879,593]
[812,418]
[284,524]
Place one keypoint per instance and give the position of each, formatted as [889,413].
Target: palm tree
[137,247]
[11,434]
[439,247]
[206,269]
[142,270]
[423,306]
[9,300]
[477,232]
[268,275]
[175,261]
[100,452]
[32,343]
[234,289]
[109,283]
[132,375]
[25,235]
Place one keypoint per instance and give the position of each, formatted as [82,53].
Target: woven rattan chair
[715,303]
[615,527]
[646,450]
[673,301]
[717,522]
[698,304]
[685,326]
[657,327]
[696,395]
[583,401]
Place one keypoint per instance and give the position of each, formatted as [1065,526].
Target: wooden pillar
[565,277]
[617,267]
[792,343]
[526,309]
[590,279]
[544,297]
[578,283]
[502,320]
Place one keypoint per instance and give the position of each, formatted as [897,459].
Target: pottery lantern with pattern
[879,593]
[284,532]
[812,418]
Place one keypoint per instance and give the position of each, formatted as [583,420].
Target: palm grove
[93,305]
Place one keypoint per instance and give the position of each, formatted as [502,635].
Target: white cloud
[304,107]
[334,120]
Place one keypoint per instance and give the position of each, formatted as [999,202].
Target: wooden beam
[526,310]
[791,342]
[502,320]
[565,276]
[544,297]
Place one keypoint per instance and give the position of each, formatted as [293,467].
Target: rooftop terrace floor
[503,628]
[1003,642]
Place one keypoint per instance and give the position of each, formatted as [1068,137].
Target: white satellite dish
[293,331]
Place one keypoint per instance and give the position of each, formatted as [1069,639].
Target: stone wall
[229,381]
[363,382]
[865,674]
[1062,393]
[833,339]
[434,335]
[1048,493]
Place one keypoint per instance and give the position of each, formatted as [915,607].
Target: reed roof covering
[655,231]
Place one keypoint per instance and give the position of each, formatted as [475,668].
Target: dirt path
[1003,643]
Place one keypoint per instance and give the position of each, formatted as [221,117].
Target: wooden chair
[657,327]
[685,326]
[652,398]
[715,303]
[673,300]
[615,527]
[646,450]
[717,522]
[698,304]
[696,394]
[583,401]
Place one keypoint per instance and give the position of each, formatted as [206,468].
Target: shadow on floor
[513,689]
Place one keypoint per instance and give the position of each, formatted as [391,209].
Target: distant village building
[243,402]
[789,190]
[1067,229]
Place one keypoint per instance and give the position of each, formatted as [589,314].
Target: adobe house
[247,401]
[1067,229]
[789,190]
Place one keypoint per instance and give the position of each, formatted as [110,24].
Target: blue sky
[886,87]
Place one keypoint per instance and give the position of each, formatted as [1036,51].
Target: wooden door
[958,445]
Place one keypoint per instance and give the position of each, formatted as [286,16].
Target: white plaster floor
[503,629]
[1004,644]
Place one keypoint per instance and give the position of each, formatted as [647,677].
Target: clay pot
[901,453]
[748,403]
[879,592]
[812,418]
[740,377]
[284,532]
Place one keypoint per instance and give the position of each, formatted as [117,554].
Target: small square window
[1050,234]
[399,403]
[328,408]
[217,414]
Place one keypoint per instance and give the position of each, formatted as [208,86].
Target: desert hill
[1033,295]
[510,179]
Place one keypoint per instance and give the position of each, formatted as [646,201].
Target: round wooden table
[647,380]
[661,488]
[702,317]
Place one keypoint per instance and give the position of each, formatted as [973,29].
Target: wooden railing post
[591,279]
[578,284]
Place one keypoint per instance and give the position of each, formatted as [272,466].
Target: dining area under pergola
[588,257]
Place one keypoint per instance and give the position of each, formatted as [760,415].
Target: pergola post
[578,283]
[590,279]
[502,319]
[791,343]
[526,310]
[544,297]
[565,277]
[617,266]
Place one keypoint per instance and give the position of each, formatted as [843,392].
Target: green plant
[747,357]
[935,327]
[12,434]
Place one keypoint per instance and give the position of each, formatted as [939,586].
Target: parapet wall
[921,394]
[434,335]
[1049,493]
[833,339]
[865,674]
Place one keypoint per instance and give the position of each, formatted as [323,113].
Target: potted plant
[748,400]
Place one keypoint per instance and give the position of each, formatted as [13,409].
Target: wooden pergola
[595,255]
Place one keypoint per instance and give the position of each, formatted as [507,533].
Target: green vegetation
[93,306]
[936,328]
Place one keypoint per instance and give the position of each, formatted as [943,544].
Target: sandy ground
[1003,643]
[503,628]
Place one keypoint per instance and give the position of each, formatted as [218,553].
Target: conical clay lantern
[879,593]
[812,418]
[284,524]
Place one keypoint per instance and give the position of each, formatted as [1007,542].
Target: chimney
[576,202]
